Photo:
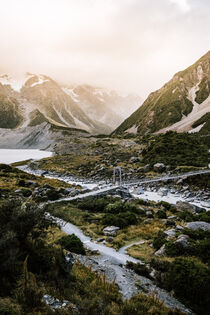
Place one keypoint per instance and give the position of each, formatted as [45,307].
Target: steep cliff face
[177,105]
[10,116]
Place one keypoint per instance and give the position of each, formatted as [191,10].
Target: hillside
[177,105]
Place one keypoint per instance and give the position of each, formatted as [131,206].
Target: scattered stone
[170,233]
[149,214]
[161,251]
[163,192]
[198,225]
[172,217]
[54,303]
[179,228]
[111,230]
[134,159]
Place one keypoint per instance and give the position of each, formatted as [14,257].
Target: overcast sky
[129,45]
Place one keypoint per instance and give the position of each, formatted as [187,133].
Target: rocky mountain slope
[37,98]
[181,104]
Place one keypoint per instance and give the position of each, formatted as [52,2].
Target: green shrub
[93,205]
[160,240]
[190,281]
[52,194]
[186,216]
[122,220]
[72,243]
[182,149]
[161,214]
[175,249]
[139,269]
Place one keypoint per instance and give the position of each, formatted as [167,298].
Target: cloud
[129,45]
[183,4]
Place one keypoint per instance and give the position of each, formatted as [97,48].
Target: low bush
[161,214]
[72,243]
[139,269]
[159,240]
[122,219]
[190,281]
[93,205]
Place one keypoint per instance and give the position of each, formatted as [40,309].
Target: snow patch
[41,80]
[70,92]
[133,129]
[15,84]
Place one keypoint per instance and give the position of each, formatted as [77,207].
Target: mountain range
[37,98]
[37,111]
[182,104]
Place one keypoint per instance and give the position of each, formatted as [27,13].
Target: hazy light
[129,45]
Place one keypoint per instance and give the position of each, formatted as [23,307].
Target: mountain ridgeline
[37,99]
[181,105]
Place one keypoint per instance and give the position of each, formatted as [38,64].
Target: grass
[9,180]
[141,251]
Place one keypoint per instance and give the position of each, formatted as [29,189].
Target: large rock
[111,230]
[183,241]
[185,206]
[198,225]
[170,233]
[159,167]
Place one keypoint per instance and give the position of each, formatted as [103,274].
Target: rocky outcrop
[198,225]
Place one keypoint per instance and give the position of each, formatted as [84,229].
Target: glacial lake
[8,156]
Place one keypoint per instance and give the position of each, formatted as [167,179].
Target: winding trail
[112,263]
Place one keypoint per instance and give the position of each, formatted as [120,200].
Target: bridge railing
[166,177]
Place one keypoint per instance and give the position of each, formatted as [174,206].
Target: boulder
[159,167]
[111,230]
[185,206]
[198,225]
[183,241]
[170,233]
[179,228]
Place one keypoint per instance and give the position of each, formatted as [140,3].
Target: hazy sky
[129,45]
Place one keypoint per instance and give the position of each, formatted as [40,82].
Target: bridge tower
[117,170]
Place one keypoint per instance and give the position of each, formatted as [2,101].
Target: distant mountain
[37,98]
[181,104]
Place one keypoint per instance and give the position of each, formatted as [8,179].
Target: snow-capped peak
[15,83]
[40,79]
